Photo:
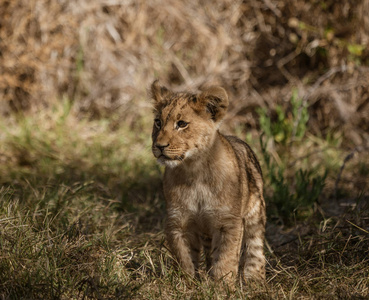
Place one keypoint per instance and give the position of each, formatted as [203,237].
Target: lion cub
[213,186]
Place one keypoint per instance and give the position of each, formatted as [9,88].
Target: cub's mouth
[164,157]
[176,157]
[170,161]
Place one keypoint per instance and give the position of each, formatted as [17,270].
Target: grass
[82,213]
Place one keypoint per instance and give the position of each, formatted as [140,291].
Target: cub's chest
[195,195]
[198,197]
[198,205]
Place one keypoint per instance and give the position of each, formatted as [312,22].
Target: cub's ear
[158,93]
[215,100]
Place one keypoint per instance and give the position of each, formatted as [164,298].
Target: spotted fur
[213,186]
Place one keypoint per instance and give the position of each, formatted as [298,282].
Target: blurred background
[82,209]
[103,55]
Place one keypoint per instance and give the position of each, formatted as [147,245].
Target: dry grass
[81,208]
[82,216]
[104,54]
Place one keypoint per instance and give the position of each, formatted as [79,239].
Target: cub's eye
[157,123]
[182,124]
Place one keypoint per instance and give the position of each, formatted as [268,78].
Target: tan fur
[213,186]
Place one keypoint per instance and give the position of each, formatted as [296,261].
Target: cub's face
[185,124]
[180,132]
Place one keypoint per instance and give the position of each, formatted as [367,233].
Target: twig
[273,8]
[285,60]
[307,155]
[317,83]
[323,78]
[358,227]
[181,68]
[348,157]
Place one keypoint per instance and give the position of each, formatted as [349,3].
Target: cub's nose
[161,147]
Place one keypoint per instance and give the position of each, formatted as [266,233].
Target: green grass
[82,213]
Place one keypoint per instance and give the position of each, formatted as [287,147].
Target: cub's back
[247,159]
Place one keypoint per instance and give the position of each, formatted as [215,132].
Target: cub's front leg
[226,246]
[184,244]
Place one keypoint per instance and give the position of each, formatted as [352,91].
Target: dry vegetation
[81,209]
